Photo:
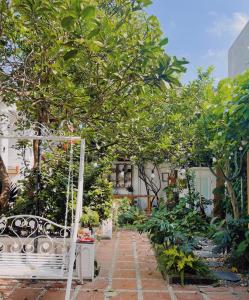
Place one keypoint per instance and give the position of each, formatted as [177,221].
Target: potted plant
[89,219]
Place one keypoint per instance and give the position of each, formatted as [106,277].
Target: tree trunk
[35,153]
[219,193]
[189,186]
[148,182]
[234,200]
[5,183]
[43,120]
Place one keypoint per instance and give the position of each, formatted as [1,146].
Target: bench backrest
[33,234]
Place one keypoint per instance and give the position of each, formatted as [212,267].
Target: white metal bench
[33,247]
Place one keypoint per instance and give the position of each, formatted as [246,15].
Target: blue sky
[202,31]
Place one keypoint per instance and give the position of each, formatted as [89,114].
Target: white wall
[205,183]
[15,160]
[238,55]
[10,155]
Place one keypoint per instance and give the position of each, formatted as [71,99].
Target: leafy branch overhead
[87,62]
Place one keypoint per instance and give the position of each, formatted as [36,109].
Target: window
[165,177]
[122,175]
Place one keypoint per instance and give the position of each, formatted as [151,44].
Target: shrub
[50,201]
[132,216]
[128,214]
[99,197]
[176,261]
[178,226]
[231,236]
[89,218]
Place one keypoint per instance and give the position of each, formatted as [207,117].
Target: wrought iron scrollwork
[32,234]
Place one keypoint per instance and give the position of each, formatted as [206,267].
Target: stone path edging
[138,277]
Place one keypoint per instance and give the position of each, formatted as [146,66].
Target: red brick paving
[153,284]
[120,273]
[52,295]
[156,296]
[224,297]
[25,293]
[189,296]
[89,295]
[128,272]
[121,284]
[125,296]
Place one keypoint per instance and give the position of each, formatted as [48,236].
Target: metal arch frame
[79,204]
[78,214]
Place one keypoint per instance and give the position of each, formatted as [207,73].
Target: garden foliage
[89,218]
[129,215]
[175,261]
[231,237]
[174,233]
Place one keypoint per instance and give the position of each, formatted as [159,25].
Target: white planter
[85,261]
[106,229]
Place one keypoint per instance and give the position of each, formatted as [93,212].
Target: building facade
[128,182]
[238,54]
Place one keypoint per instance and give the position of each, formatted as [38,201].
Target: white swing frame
[79,203]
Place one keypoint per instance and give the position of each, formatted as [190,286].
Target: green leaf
[145,2]
[88,12]
[173,80]
[182,61]
[93,33]
[67,22]
[164,85]
[70,54]
[118,75]
[242,248]
[164,42]
[119,24]
[95,46]
[98,43]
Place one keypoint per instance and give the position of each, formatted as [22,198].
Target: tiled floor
[128,272]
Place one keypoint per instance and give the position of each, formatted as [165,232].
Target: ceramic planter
[85,261]
[106,229]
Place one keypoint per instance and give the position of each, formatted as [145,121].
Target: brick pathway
[128,272]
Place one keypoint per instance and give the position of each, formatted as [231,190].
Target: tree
[93,64]
[168,130]
[225,123]
[87,62]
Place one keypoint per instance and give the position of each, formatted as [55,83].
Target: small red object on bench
[87,239]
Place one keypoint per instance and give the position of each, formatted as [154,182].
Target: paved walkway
[128,272]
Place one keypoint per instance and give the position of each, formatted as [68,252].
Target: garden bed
[188,279]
